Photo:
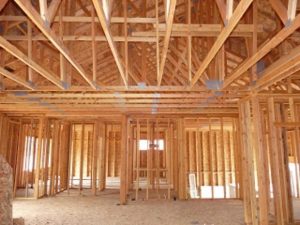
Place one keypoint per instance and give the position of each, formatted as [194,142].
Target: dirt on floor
[103,209]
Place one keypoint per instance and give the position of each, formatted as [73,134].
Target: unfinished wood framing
[157,99]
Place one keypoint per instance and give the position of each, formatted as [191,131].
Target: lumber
[238,13]
[36,19]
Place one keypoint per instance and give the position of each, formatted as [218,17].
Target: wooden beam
[94,52]
[229,10]
[261,161]
[83,19]
[280,10]
[52,10]
[106,10]
[279,69]
[169,24]
[292,7]
[237,15]
[263,50]
[222,9]
[30,11]
[98,38]
[15,78]
[182,167]
[22,57]
[124,175]
[108,35]
[2,4]
[38,159]
[43,10]
[29,49]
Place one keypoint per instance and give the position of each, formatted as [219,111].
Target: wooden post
[71,154]
[138,130]
[148,158]
[250,208]
[81,157]
[200,160]
[168,159]
[274,160]
[261,157]
[182,187]
[157,158]
[211,150]
[28,154]
[38,158]
[95,156]
[123,188]
[102,158]
[284,164]
[20,148]
[223,157]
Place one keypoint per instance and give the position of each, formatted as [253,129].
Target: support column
[101,143]
[38,159]
[262,163]
[123,183]
[182,183]
[95,156]
[249,196]
[276,166]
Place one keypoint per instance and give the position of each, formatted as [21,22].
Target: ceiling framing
[63,57]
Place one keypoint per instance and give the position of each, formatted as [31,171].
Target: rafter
[169,24]
[36,19]
[222,9]
[292,7]
[52,10]
[282,68]
[265,49]
[43,10]
[15,78]
[237,15]
[108,35]
[280,10]
[35,66]
[2,4]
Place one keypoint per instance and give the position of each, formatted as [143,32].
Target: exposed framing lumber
[237,15]
[43,10]
[15,78]
[222,9]
[52,10]
[265,49]
[280,10]
[38,158]
[108,35]
[124,149]
[29,10]
[169,24]
[229,10]
[74,38]
[3,4]
[29,48]
[35,66]
[291,13]
[262,158]
[82,19]
[280,69]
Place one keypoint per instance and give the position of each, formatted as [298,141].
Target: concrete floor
[73,209]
